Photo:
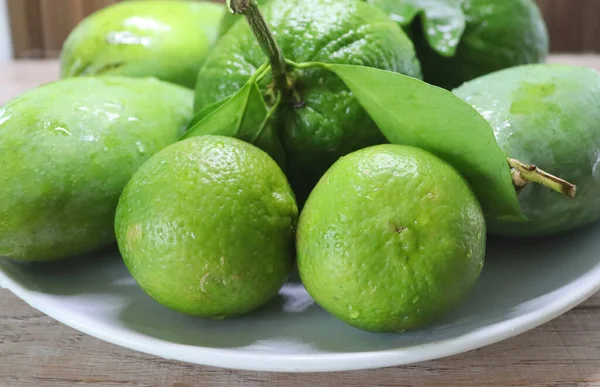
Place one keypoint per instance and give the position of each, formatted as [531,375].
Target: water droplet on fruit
[62,131]
[469,253]
[353,313]
[140,147]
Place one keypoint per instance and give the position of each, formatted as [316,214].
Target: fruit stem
[523,174]
[258,25]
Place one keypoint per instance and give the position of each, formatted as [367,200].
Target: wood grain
[26,28]
[590,36]
[40,27]
[574,25]
[36,351]
[59,17]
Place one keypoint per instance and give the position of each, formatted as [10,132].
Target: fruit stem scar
[250,10]
[523,174]
[396,228]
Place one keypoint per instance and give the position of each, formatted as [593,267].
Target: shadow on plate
[518,277]
[73,276]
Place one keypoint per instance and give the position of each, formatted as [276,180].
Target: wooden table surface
[38,351]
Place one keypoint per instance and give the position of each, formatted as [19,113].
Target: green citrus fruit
[390,239]
[329,122]
[164,39]
[206,227]
[68,148]
[492,35]
[546,115]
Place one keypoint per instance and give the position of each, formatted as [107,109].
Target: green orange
[390,239]
[157,38]
[325,121]
[206,227]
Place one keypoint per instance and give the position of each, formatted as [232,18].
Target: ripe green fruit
[206,227]
[163,39]
[324,121]
[390,239]
[546,115]
[497,34]
[67,150]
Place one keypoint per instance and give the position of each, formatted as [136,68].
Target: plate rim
[584,286]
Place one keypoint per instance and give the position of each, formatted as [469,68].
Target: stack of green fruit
[307,106]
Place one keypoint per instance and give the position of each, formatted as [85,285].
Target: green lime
[498,34]
[206,227]
[390,239]
[324,120]
[163,39]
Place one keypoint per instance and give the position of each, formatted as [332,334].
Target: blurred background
[31,29]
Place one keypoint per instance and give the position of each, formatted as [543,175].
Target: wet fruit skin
[164,39]
[546,115]
[499,34]
[390,239]
[67,150]
[206,227]
[331,123]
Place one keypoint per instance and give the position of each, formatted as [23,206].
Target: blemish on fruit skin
[134,232]
[531,98]
[540,90]
[395,228]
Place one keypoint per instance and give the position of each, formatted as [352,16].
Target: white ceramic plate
[523,285]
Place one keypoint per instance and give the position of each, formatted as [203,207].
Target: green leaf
[411,112]
[199,116]
[444,21]
[245,116]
